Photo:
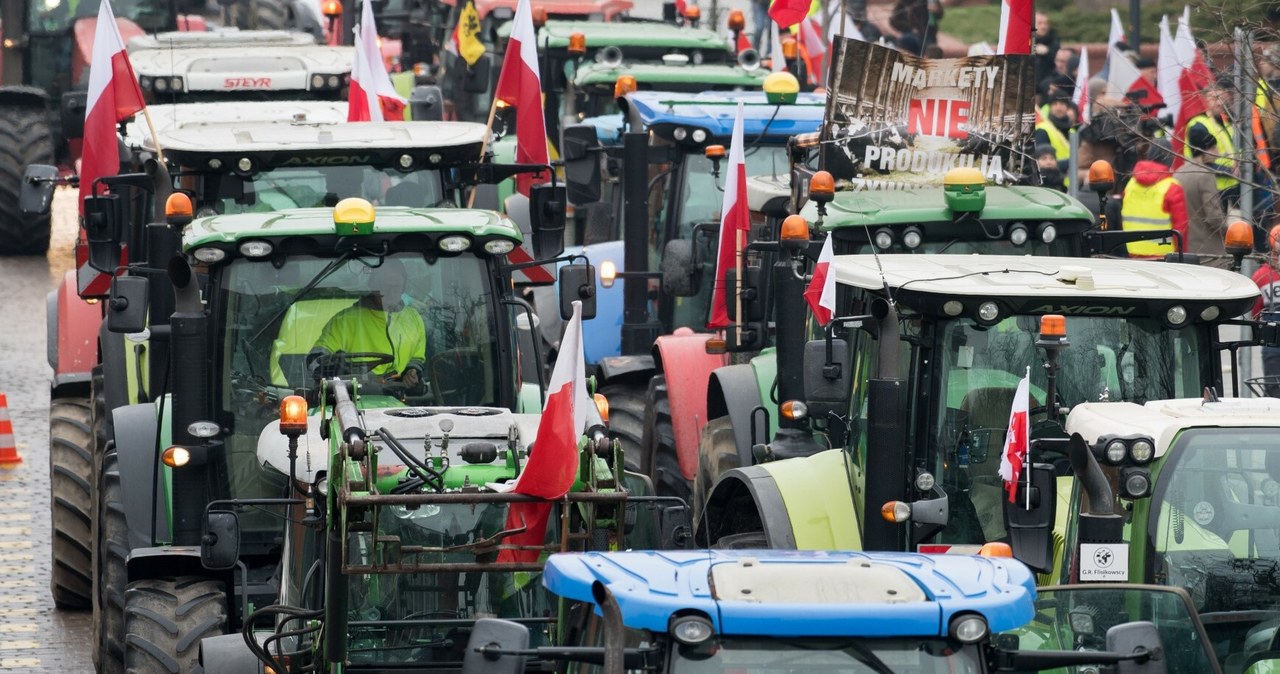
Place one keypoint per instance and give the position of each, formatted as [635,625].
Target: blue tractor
[769,611]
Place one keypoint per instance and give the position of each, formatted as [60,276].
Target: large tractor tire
[113,575]
[165,619]
[102,430]
[70,502]
[717,453]
[25,139]
[660,443]
[626,422]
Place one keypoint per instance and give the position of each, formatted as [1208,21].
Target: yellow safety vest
[1224,152]
[360,329]
[1143,208]
[1061,146]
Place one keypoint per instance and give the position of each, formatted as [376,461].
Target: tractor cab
[227,65]
[772,612]
[1182,492]
[916,376]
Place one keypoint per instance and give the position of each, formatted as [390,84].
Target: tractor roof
[715,112]
[224,39]
[555,35]
[236,66]
[372,143]
[801,593]
[665,75]
[1163,420]
[928,204]
[312,222]
[170,117]
[1093,286]
[411,425]
[607,9]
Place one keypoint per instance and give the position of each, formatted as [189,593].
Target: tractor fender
[732,392]
[740,493]
[161,561]
[113,350]
[22,96]
[623,368]
[683,359]
[73,334]
[816,497]
[228,654]
[136,429]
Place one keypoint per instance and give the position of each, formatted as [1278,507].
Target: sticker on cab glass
[1203,513]
[1107,562]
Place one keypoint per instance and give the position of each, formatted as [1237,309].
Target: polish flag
[520,86]
[371,97]
[777,61]
[815,48]
[1081,93]
[821,293]
[1017,439]
[1167,71]
[735,224]
[1015,27]
[553,458]
[114,96]
[787,13]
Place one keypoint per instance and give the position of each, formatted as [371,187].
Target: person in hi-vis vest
[379,323]
[1152,199]
[1216,98]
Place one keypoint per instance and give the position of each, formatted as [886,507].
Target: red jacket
[1268,280]
[1148,173]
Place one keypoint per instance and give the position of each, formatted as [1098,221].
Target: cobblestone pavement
[34,636]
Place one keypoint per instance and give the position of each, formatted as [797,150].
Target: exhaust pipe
[615,634]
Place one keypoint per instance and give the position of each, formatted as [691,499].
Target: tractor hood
[253,67]
[1163,420]
[202,118]
[491,426]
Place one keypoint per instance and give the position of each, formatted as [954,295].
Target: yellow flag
[467,34]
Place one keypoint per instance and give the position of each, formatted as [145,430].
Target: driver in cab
[377,324]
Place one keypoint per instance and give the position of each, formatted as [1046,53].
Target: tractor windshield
[57,16]
[846,656]
[1213,527]
[370,319]
[978,369]
[319,187]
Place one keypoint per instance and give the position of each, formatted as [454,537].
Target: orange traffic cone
[8,448]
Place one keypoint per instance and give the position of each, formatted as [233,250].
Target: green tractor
[392,563]
[913,381]
[243,321]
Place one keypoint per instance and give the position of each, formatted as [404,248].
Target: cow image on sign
[1104,562]
[896,121]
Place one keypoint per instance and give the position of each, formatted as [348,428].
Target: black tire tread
[660,442]
[113,553]
[25,138]
[70,501]
[717,453]
[165,619]
[626,421]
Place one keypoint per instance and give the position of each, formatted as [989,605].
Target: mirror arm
[1006,661]
[538,263]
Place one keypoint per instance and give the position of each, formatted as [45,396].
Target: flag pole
[737,243]
[155,138]
[484,145]
[1027,467]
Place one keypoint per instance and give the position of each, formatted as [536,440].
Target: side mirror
[102,218]
[127,306]
[677,528]
[38,183]
[827,380]
[546,219]
[71,113]
[475,79]
[426,103]
[678,271]
[1030,529]
[1128,638]
[582,173]
[577,284]
[489,637]
[220,540]
[752,298]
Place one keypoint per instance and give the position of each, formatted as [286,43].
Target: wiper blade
[311,285]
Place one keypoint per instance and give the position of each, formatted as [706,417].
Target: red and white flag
[815,49]
[821,293]
[371,97]
[520,86]
[787,13]
[553,460]
[777,60]
[735,224]
[1015,27]
[1081,93]
[114,96]
[1017,440]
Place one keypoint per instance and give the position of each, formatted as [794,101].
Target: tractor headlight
[1135,483]
[1018,234]
[455,244]
[680,133]
[968,628]
[209,255]
[317,81]
[1114,452]
[691,630]
[699,135]
[255,249]
[912,237]
[988,312]
[499,246]
[883,238]
[1142,451]
[161,84]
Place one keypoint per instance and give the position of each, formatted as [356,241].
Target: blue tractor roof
[785,593]
[715,111]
